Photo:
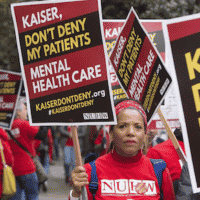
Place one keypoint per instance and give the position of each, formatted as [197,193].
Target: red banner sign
[138,66]
[63,62]
[10,85]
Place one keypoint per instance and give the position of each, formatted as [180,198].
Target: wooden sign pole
[78,156]
[76,146]
[172,137]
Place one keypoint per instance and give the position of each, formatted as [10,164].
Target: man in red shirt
[24,167]
[167,152]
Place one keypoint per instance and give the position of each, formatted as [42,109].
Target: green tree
[8,47]
[152,9]
[111,9]
[9,58]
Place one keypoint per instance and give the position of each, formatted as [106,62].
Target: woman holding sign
[124,173]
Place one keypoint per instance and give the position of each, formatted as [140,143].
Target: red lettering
[104,184]
[151,187]
[132,186]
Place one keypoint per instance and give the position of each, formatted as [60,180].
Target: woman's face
[128,135]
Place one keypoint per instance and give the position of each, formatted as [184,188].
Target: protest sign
[22,92]
[169,107]
[139,66]
[183,36]
[63,62]
[154,28]
[112,29]
[169,104]
[10,86]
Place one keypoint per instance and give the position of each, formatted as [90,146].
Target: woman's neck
[121,153]
[122,159]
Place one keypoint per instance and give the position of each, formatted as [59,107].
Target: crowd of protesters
[120,152]
[23,142]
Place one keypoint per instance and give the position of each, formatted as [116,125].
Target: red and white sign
[63,62]
[10,85]
[138,65]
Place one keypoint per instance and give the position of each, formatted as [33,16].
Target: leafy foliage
[9,58]
[154,9]
[8,47]
[111,9]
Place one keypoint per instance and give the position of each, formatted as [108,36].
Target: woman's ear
[145,144]
[111,146]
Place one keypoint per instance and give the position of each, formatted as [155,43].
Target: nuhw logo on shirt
[128,187]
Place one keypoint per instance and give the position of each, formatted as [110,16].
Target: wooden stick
[172,137]
[79,162]
[76,146]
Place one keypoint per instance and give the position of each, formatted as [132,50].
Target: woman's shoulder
[20,122]
[146,159]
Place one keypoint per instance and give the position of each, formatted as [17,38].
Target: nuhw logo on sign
[128,187]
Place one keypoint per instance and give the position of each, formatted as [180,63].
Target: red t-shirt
[128,178]
[7,154]
[69,140]
[25,134]
[167,152]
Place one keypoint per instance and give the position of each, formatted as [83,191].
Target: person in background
[94,145]
[101,144]
[124,173]
[24,166]
[184,187]
[55,153]
[9,159]
[50,144]
[69,155]
[44,149]
[160,137]
[167,152]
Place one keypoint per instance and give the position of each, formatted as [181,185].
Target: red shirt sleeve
[153,154]
[6,149]
[167,186]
